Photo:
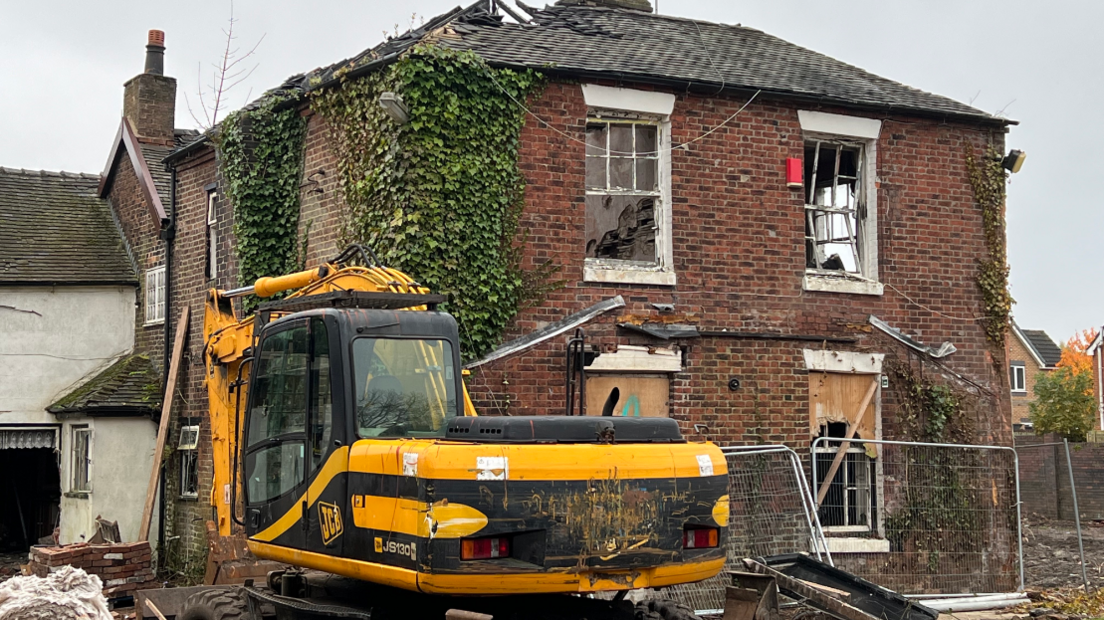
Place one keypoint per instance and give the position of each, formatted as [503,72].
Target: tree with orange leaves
[1064,397]
[1075,353]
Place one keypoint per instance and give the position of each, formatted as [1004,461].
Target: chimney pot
[155,53]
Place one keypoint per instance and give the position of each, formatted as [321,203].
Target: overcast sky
[64,64]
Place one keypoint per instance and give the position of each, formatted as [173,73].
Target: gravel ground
[1051,559]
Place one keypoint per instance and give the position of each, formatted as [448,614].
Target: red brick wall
[190,286]
[141,234]
[739,259]
[1044,477]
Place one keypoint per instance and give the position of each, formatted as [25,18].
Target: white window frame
[863,132]
[84,486]
[657,107]
[212,234]
[155,295]
[1018,371]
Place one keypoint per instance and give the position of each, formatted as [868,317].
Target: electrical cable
[625,153]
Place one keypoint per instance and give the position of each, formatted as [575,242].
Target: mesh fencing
[922,518]
[770,513]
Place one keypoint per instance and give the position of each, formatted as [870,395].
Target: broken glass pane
[621,228]
[621,172]
[832,197]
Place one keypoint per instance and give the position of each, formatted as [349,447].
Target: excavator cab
[326,377]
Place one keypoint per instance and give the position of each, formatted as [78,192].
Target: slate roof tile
[623,43]
[130,386]
[1043,345]
[53,228]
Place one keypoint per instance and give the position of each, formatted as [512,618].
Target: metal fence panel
[928,518]
[770,512]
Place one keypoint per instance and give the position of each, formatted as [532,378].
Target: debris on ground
[1065,604]
[65,594]
[123,568]
[1051,559]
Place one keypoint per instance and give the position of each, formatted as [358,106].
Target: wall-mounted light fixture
[794,173]
[394,106]
[1013,161]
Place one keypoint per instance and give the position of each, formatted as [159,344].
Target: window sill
[1019,392]
[156,323]
[612,275]
[188,498]
[830,284]
[856,545]
[78,494]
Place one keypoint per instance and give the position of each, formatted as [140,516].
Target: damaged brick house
[752,235]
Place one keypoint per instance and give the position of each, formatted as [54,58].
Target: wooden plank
[155,610]
[852,426]
[835,397]
[163,429]
[641,395]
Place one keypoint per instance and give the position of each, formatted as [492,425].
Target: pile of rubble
[124,568]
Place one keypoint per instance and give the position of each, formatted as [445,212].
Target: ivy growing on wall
[439,196]
[261,158]
[987,178]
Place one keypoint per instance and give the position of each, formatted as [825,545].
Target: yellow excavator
[346,447]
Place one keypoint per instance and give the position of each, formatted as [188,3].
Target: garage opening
[31,505]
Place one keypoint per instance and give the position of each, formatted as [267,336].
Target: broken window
[81,462]
[834,400]
[622,189]
[849,503]
[189,461]
[834,207]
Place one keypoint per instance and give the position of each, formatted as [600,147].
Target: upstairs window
[622,178]
[212,235]
[1018,377]
[627,231]
[834,207]
[840,203]
[155,295]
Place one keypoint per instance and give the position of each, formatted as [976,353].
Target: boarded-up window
[639,395]
[835,397]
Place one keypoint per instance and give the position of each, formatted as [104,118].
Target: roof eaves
[129,140]
[1029,346]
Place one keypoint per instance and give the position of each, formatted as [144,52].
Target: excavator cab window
[405,387]
[290,420]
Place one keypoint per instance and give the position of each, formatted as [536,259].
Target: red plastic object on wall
[794,173]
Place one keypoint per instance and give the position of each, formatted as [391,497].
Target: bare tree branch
[225,75]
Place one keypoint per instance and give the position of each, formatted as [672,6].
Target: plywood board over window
[835,397]
[640,395]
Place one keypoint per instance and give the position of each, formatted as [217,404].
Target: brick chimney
[149,98]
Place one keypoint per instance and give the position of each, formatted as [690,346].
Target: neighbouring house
[76,435]
[753,236]
[1030,352]
[1096,351]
